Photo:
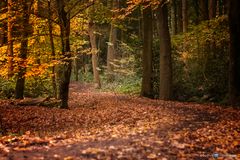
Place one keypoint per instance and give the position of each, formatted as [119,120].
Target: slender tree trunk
[179,17]
[234,60]
[112,46]
[165,55]
[50,28]
[140,24]
[63,70]
[10,39]
[2,30]
[197,12]
[225,6]
[94,51]
[220,7]
[203,6]
[147,86]
[76,67]
[184,15]
[111,52]
[212,9]
[1,37]
[19,90]
[173,17]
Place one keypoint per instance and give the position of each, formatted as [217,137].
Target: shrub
[200,61]
[7,88]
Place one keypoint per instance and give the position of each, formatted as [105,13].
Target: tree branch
[82,9]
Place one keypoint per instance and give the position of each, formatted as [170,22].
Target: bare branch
[82,9]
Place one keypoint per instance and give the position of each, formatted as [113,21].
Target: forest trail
[103,125]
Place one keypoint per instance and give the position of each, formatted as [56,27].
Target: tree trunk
[19,90]
[234,60]
[76,67]
[212,8]
[1,37]
[63,70]
[112,46]
[179,17]
[196,7]
[225,6]
[50,28]
[10,39]
[220,7]
[184,15]
[111,53]
[203,7]
[94,51]
[165,55]
[2,28]
[173,17]
[147,86]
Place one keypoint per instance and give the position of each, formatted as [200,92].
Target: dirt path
[109,126]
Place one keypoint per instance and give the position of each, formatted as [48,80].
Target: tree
[62,12]
[64,67]
[203,6]
[10,38]
[165,88]
[222,6]
[3,6]
[50,28]
[94,50]
[234,59]
[111,50]
[184,15]
[147,86]
[173,17]
[179,17]
[25,15]
[212,8]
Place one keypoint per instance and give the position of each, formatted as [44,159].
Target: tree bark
[10,39]
[165,88]
[225,6]
[112,46]
[203,7]
[173,17]
[94,51]
[234,59]
[147,86]
[50,28]
[1,37]
[63,71]
[212,9]
[179,17]
[76,67]
[2,28]
[184,15]
[19,90]
[196,11]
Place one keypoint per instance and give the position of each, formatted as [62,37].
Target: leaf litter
[103,125]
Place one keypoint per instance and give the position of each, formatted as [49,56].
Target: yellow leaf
[159,142]
[236,143]
[92,150]
[68,158]
[152,156]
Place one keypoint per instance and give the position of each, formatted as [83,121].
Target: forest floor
[103,125]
